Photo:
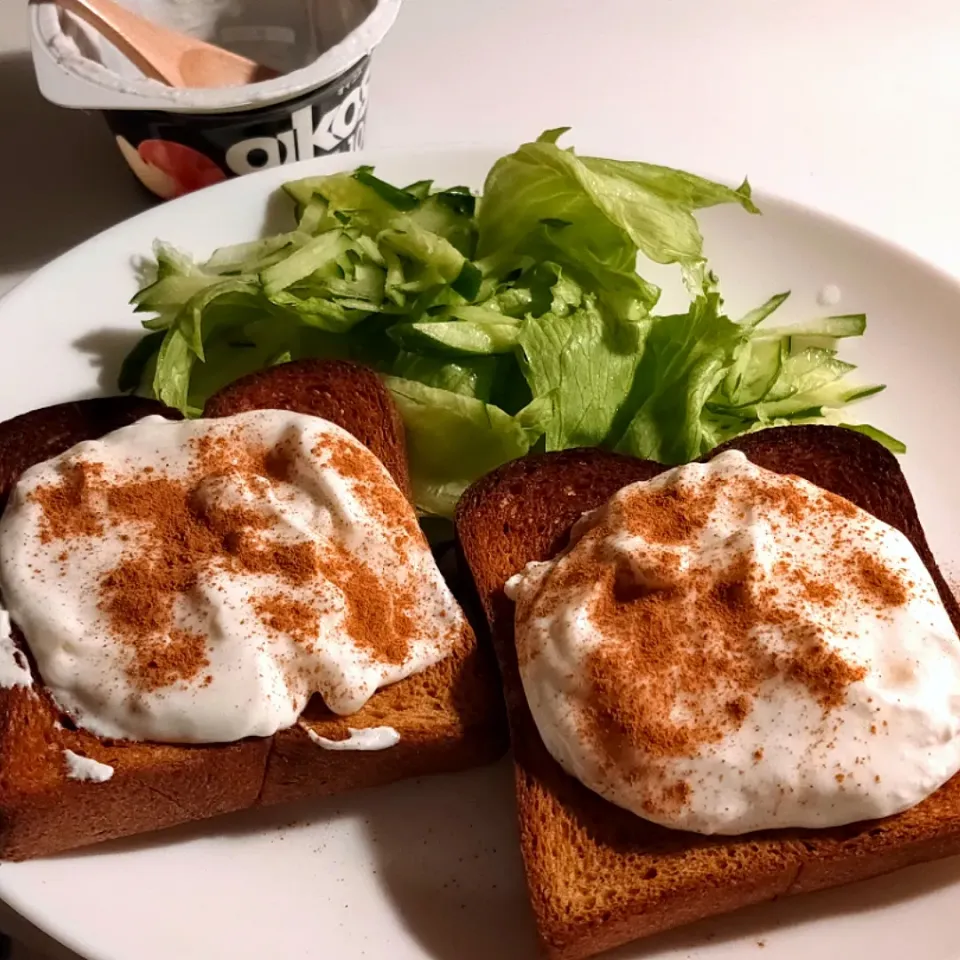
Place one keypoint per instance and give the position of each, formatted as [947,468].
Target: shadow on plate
[107,348]
[61,177]
[25,934]
[445,852]
[278,217]
[459,892]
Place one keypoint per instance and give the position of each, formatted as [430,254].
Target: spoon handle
[165,55]
[137,39]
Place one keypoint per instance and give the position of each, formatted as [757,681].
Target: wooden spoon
[165,55]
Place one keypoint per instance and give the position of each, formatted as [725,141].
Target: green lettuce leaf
[175,360]
[585,361]
[470,377]
[453,440]
[686,358]
[593,216]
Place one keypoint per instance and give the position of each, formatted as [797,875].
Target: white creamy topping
[86,768]
[243,644]
[367,738]
[845,709]
[14,670]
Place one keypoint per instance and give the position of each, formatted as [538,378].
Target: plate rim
[339,162]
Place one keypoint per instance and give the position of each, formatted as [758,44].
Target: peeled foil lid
[312,42]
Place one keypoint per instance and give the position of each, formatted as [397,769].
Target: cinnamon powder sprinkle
[667,799]
[67,507]
[379,620]
[816,589]
[232,453]
[296,619]
[655,681]
[181,538]
[671,515]
[876,582]
[381,498]
[176,536]
[790,500]
[682,660]
[824,673]
[160,664]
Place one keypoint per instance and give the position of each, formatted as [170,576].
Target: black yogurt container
[176,153]
[178,141]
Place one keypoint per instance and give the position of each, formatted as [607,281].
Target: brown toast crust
[598,875]
[449,717]
[45,433]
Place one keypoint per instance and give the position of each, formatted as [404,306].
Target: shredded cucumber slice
[421,189]
[172,290]
[815,402]
[808,370]
[755,317]
[409,239]
[313,215]
[396,197]
[320,312]
[754,372]
[249,257]
[190,318]
[849,325]
[891,443]
[171,261]
[458,337]
[312,256]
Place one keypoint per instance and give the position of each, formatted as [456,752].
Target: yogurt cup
[178,140]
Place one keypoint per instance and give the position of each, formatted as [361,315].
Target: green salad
[505,323]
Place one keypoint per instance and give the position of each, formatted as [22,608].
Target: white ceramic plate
[431,869]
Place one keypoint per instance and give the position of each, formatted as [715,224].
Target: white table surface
[851,107]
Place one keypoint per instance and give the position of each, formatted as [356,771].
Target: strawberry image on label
[170,169]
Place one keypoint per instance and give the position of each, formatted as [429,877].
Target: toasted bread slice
[598,875]
[449,717]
